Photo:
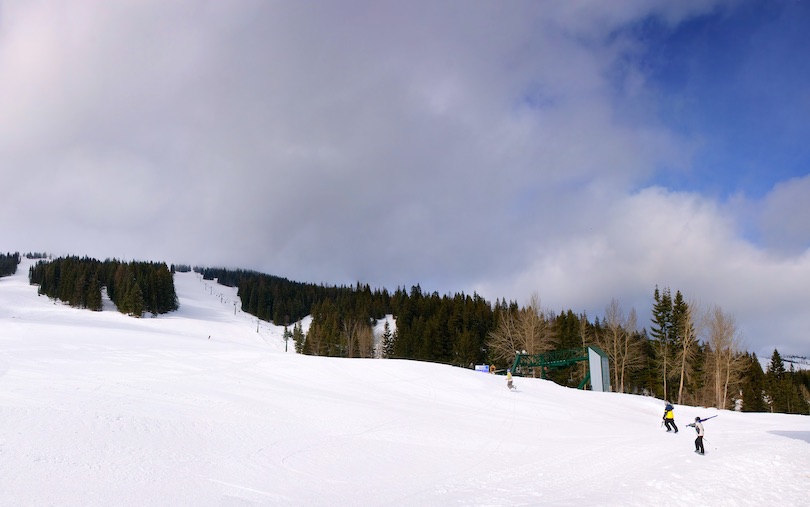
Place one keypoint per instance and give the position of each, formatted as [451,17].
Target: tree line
[448,329]
[686,354]
[136,288]
[272,298]
[429,327]
[8,263]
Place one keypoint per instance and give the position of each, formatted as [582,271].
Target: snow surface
[100,409]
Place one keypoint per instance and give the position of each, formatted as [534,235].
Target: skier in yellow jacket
[509,379]
[669,418]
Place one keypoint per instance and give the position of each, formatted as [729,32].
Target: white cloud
[676,240]
[784,211]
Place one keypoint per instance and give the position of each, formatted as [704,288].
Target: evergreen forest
[685,354]
[136,288]
[8,263]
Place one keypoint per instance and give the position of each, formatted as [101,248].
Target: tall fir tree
[662,331]
[775,383]
[753,388]
[135,300]
[298,337]
[94,301]
[387,342]
[783,394]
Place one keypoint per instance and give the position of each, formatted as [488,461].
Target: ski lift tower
[598,365]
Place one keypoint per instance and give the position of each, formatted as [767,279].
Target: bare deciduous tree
[725,355]
[365,341]
[358,338]
[691,326]
[504,341]
[349,336]
[526,330]
[617,341]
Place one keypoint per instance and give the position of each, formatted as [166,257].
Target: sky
[582,151]
[197,408]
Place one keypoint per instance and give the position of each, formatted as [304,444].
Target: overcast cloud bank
[501,148]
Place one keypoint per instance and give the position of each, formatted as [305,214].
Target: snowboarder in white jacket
[509,383]
[699,440]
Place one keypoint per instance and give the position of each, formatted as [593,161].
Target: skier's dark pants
[699,445]
[668,422]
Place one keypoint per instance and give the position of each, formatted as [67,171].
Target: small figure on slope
[509,379]
[699,440]
[669,418]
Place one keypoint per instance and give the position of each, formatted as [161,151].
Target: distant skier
[669,418]
[509,379]
[699,440]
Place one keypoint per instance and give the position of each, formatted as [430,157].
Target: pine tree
[753,388]
[776,368]
[8,263]
[94,301]
[387,342]
[775,375]
[796,404]
[662,333]
[298,337]
[783,394]
[135,303]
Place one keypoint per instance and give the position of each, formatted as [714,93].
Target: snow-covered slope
[100,409]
